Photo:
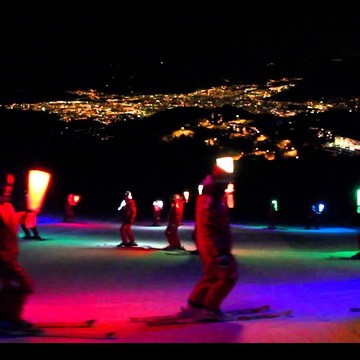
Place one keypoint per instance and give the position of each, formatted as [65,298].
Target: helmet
[6,178]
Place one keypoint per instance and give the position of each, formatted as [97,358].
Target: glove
[223,261]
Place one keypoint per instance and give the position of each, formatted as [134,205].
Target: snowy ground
[79,274]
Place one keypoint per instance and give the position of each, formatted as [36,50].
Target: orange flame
[38,183]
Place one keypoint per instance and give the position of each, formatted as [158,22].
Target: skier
[272,215]
[70,203]
[175,218]
[157,209]
[28,222]
[129,212]
[314,214]
[29,226]
[214,244]
[16,283]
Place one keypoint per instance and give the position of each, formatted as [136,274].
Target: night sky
[45,50]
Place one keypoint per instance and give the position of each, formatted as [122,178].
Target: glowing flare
[275,205]
[38,183]
[73,199]
[226,164]
[77,198]
[229,192]
[158,203]
[230,201]
[123,203]
[186,195]
[230,188]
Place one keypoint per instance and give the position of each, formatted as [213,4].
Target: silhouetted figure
[29,221]
[272,216]
[29,226]
[71,201]
[313,218]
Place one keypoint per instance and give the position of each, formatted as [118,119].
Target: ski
[341,258]
[44,334]
[106,336]
[179,252]
[66,324]
[164,250]
[355,309]
[227,318]
[131,248]
[269,315]
[252,310]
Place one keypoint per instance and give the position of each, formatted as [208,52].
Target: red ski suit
[175,218]
[70,203]
[157,209]
[128,218]
[16,284]
[214,244]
